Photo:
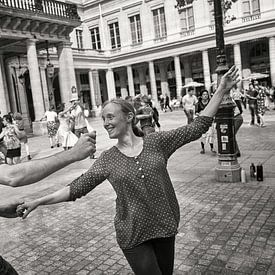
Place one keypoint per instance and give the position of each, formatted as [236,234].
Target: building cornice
[132,5]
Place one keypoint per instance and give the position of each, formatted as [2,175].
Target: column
[4,108]
[153,81]
[123,83]
[66,71]
[206,70]
[272,59]
[37,95]
[98,100]
[111,87]
[142,80]
[24,107]
[163,79]
[92,89]
[187,70]
[45,87]
[130,80]
[178,76]
[238,61]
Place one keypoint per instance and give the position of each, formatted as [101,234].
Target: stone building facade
[126,47]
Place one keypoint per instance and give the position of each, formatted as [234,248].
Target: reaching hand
[26,208]
[85,146]
[229,79]
[9,210]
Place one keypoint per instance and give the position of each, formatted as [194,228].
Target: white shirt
[51,116]
[189,102]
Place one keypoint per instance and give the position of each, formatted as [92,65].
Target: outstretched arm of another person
[33,171]
[228,80]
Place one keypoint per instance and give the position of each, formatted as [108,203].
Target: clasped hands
[17,209]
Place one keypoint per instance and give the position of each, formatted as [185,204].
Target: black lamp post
[228,168]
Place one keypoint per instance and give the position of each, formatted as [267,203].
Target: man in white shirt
[189,102]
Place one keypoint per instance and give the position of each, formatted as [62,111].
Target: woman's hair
[205,91]
[8,118]
[126,108]
[17,116]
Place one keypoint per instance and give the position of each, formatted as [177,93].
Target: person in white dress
[65,135]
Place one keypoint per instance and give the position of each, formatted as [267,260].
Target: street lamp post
[228,168]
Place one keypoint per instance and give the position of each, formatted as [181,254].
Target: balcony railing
[47,7]
[251,17]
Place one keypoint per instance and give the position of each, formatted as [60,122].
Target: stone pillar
[66,71]
[12,89]
[98,100]
[238,61]
[123,84]
[111,87]
[206,70]
[4,102]
[187,70]
[163,79]
[92,90]
[44,87]
[24,107]
[272,59]
[142,80]
[153,81]
[130,80]
[178,76]
[37,95]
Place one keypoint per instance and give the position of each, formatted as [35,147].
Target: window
[159,23]
[135,26]
[96,44]
[79,39]
[187,19]
[114,35]
[251,7]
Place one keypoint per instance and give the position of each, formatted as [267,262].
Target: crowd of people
[12,135]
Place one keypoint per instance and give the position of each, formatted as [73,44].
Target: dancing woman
[147,216]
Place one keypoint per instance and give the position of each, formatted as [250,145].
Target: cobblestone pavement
[225,228]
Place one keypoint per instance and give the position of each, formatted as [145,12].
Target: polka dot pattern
[146,204]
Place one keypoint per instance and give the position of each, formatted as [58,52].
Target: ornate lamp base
[228,170]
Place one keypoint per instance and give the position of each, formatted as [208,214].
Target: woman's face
[114,120]
[5,122]
[204,95]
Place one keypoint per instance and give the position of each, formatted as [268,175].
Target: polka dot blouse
[146,204]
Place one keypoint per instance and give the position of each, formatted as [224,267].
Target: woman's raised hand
[23,210]
[229,79]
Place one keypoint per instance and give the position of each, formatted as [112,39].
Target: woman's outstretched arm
[61,195]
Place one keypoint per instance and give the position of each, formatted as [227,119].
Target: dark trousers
[253,113]
[6,268]
[153,257]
